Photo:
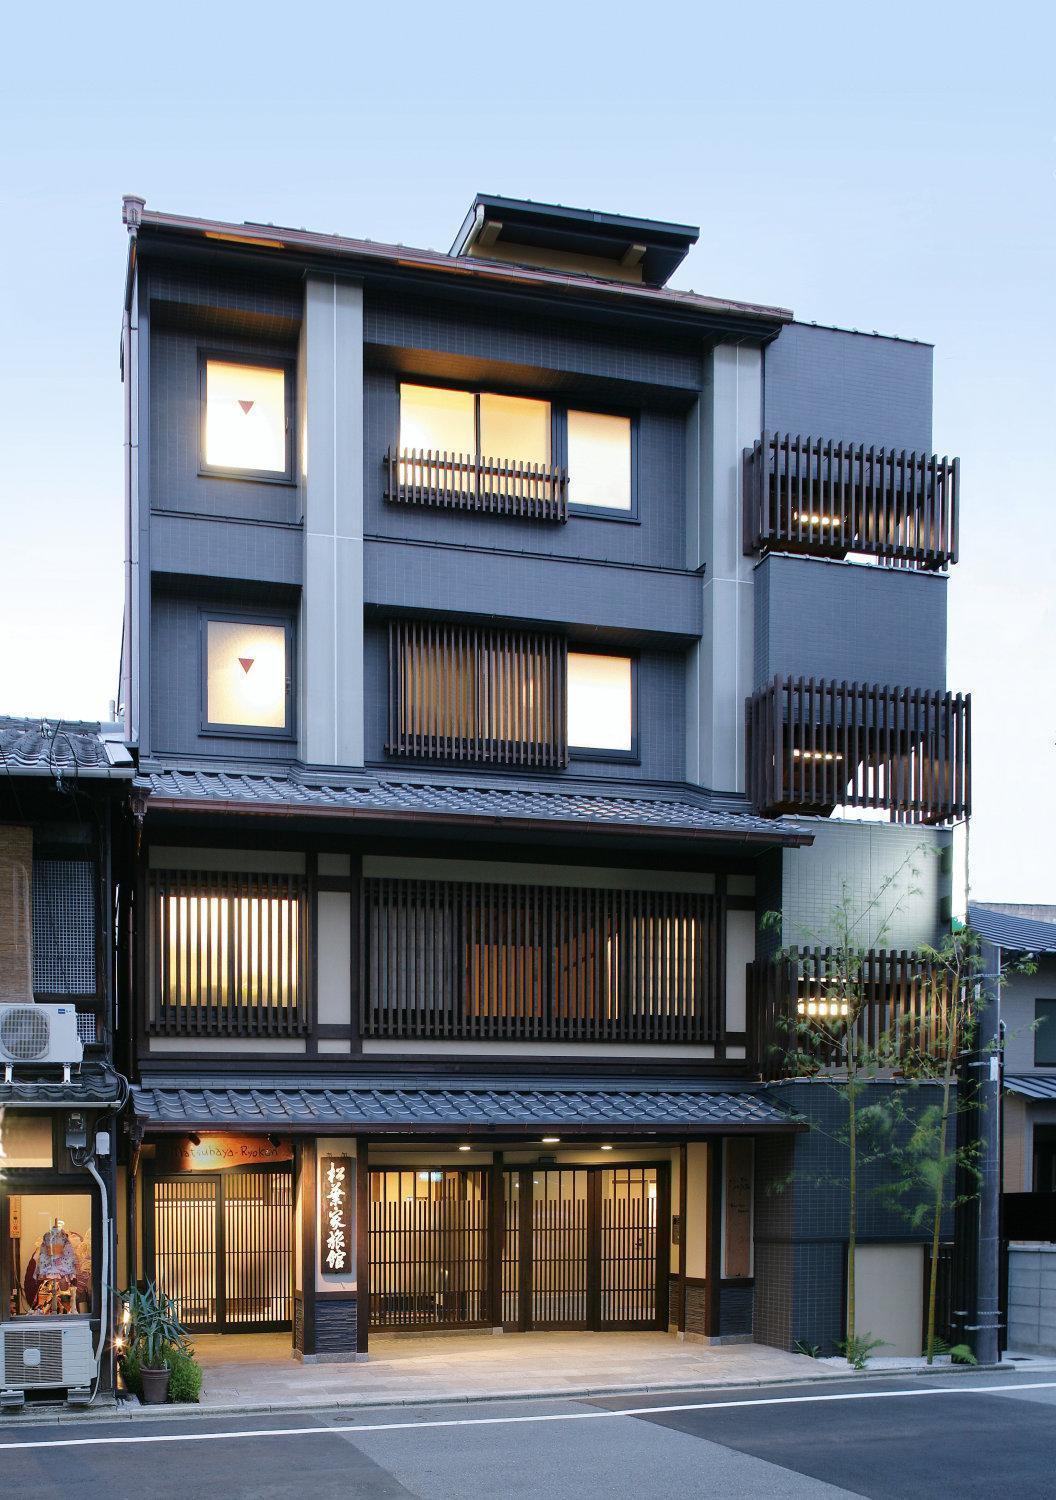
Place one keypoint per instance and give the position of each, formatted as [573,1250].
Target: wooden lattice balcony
[470,482]
[800,1014]
[827,498]
[813,745]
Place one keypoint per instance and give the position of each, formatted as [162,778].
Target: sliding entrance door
[585,1247]
[220,1245]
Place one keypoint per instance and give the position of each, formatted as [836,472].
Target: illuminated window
[600,702]
[50,1251]
[512,427]
[437,421]
[246,421]
[228,945]
[599,460]
[247,675]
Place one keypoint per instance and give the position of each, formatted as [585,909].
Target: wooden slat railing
[465,693]
[465,961]
[813,745]
[474,482]
[815,495]
[228,954]
[798,1017]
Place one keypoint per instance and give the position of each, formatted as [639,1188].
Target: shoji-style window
[245,417]
[247,675]
[229,954]
[600,461]
[464,693]
[601,707]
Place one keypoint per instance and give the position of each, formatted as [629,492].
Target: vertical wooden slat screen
[469,961]
[473,482]
[815,495]
[458,692]
[905,1003]
[230,954]
[427,1236]
[813,745]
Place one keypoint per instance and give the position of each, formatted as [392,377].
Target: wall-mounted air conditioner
[46,1353]
[41,1034]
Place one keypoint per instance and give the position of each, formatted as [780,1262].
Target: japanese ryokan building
[507,633]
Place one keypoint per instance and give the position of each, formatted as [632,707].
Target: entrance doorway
[574,1247]
[582,1248]
[220,1245]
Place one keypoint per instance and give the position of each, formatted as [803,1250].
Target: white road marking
[568,1416]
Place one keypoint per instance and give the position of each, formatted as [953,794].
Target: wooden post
[496,1235]
[309,1210]
[362,1246]
[713,1243]
[683,1218]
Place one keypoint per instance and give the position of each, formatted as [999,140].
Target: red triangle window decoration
[247,406]
[245,662]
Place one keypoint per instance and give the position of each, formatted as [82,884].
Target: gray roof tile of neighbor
[1020,933]
[44,747]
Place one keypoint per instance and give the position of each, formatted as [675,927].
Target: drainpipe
[987,1062]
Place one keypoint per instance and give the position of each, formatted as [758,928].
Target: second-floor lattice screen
[460,692]
[471,961]
[64,960]
[228,954]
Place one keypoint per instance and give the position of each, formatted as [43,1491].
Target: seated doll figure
[54,1275]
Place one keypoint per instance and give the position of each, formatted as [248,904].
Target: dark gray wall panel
[824,382]
[175,676]
[205,547]
[175,483]
[849,621]
[545,340]
[658,536]
[401,575]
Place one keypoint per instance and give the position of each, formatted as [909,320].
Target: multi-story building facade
[507,635]
[64,895]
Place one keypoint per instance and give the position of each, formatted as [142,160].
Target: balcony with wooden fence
[806,1004]
[467,961]
[228,954]
[497,697]
[831,499]
[473,482]
[813,745]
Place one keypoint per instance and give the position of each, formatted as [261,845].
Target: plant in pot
[153,1332]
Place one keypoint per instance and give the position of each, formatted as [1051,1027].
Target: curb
[131,1410]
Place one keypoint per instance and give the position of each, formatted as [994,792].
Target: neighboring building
[64,856]
[500,650]
[1028,1016]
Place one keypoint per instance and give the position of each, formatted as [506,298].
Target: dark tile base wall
[335,1327]
[735,1311]
[298,1324]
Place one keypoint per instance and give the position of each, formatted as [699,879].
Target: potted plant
[153,1331]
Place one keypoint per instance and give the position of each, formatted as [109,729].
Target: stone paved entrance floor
[254,1372]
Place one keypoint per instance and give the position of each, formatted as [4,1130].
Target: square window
[599,460]
[515,429]
[437,421]
[245,418]
[600,702]
[1045,1034]
[247,683]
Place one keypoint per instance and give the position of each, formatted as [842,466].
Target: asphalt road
[963,1435]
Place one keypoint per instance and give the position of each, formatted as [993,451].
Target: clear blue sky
[890,170]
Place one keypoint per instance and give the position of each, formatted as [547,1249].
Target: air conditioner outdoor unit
[41,1034]
[46,1353]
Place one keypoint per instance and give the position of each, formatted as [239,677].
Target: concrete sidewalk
[254,1372]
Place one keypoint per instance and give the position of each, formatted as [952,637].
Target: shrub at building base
[185,1375]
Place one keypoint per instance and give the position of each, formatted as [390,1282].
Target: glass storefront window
[50,1253]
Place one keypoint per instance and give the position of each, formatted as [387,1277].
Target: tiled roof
[1031,1085]
[406,1103]
[1019,933]
[91,1085]
[70,748]
[377,798]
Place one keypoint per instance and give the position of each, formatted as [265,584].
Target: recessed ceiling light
[465,1148]
[606,1148]
[551,1140]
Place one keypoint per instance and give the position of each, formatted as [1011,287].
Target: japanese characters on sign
[335,1197]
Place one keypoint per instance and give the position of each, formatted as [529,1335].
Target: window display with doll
[51,1256]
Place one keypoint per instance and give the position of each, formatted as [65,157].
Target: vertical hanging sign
[336,1249]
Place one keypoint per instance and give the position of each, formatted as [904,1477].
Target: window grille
[64,960]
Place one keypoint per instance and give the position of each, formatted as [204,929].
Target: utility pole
[977,1308]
